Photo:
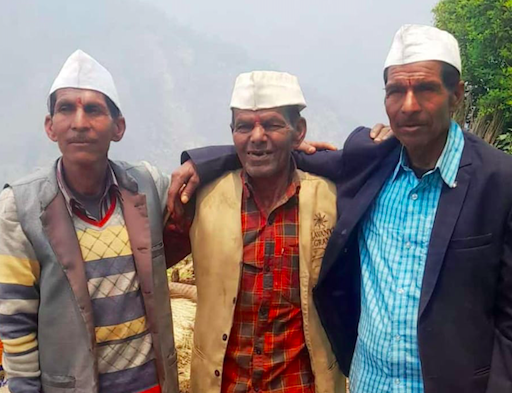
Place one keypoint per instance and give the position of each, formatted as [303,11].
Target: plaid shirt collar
[292,189]
[111,187]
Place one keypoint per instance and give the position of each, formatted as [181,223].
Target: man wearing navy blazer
[415,289]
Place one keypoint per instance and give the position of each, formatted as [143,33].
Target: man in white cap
[415,289]
[258,237]
[429,234]
[84,302]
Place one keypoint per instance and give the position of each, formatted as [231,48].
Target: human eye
[243,128]
[64,108]
[393,91]
[94,110]
[427,88]
[274,126]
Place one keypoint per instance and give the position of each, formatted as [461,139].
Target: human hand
[184,182]
[380,133]
[309,147]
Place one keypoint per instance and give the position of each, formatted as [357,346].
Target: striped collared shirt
[111,191]
[393,242]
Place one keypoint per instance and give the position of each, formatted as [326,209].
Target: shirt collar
[111,185]
[448,163]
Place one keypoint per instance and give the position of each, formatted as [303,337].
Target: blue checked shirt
[393,244]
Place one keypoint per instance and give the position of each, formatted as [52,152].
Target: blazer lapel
[135,212]
[61,234]
[352,209]
[450,206]
[137,224]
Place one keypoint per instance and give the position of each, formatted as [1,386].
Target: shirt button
[397,337]
[224,337]
[408,245]
[217,373]
[414,197]
[271,219]
[267,268]
[400,291]
[258,351]
[397,381]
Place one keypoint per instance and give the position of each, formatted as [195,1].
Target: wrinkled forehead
[258,115]
[79,95]
[419,71]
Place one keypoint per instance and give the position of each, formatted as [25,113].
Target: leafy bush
[484,31]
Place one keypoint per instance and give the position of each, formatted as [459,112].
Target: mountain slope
[174,84]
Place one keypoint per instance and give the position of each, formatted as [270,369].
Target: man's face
[418,104]
[264,140]
[83,126]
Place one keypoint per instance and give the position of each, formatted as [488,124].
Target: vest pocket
[64,383]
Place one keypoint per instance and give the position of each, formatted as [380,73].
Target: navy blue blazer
[465,314]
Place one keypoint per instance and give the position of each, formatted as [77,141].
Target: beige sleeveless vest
[217,247]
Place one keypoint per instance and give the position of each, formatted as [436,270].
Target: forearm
[212,161]
[176,242]
[323,163]
[19,302]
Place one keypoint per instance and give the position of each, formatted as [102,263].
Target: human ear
[299,133]
[457,96]
[48,127]
[119,129]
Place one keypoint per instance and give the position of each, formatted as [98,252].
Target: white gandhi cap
[81,71]
[266,89]
[415,43]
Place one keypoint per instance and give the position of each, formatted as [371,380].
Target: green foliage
[484,31]
[504,142]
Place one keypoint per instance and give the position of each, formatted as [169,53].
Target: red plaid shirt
[267,350]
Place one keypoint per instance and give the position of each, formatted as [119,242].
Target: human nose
[410,104]
[80,121]
[258,134]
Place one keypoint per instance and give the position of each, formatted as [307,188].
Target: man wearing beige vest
[257,239]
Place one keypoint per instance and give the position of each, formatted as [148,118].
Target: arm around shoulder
[212,161]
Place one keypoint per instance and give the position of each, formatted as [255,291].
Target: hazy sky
[175,62]
[337,47]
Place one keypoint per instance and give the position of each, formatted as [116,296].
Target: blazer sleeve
[213,161]
[500,379]
[359,156]
[322,163]
[19,301]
